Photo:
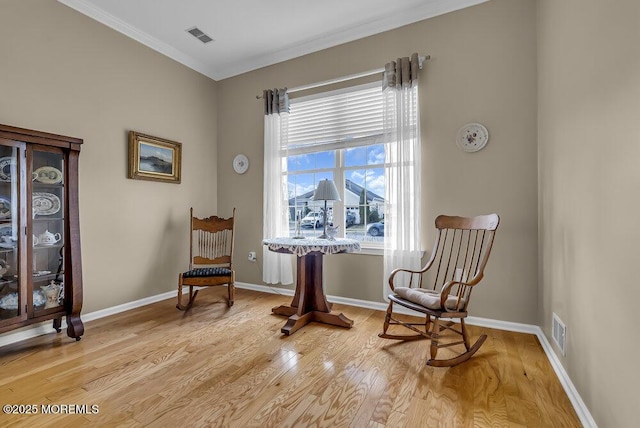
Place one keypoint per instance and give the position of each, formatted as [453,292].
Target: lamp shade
[326,191]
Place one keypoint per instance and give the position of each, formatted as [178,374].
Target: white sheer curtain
[276,267]
[401,124]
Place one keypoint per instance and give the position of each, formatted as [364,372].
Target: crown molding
[327,40]
[130,31]
[335,38]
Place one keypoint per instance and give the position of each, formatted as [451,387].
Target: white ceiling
[249,34]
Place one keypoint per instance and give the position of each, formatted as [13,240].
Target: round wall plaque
[240,164]
[472,137]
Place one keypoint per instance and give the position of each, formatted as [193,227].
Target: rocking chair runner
[213,247]
[442,289]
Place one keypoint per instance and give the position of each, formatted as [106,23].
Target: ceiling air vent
[199,34]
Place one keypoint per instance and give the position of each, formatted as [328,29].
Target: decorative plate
[5,208]
[10,301]
[6,230]
[48,175]
[472,137]
[240,164]
[6,165]
[45,203]
[39,298]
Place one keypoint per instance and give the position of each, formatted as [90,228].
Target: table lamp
[326,191]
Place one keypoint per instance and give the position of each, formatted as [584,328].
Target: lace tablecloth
[301,247]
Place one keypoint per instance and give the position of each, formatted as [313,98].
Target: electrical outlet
[252,256]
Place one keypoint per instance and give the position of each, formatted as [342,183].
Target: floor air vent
[559,334]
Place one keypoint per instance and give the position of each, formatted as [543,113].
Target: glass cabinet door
[47,240]
[12,296]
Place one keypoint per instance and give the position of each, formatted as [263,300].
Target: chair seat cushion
[428,298]
[202,272]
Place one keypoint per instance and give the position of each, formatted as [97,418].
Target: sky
[371,178]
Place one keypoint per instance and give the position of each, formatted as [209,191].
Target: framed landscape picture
[153,158]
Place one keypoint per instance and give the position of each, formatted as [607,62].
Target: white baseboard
[579,406]
[45,327]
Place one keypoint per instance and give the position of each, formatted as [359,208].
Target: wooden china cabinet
[40,266]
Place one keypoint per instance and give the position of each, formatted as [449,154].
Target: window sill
[373,251]
[370,251]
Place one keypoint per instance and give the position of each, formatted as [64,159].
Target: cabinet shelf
[35,248]
[37,276]
[37,185]
[7,281]
[48,277]
[48,247]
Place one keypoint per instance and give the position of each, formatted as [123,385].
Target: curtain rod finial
[422,59]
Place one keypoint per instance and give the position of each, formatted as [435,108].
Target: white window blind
[332,120]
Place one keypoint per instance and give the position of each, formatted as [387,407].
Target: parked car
[349,219]
[376,229]
[313,219]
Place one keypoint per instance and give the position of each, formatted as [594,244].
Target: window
[338,136]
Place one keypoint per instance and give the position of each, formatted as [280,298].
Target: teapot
[48,238]
[53,293]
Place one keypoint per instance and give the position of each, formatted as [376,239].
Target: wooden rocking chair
[442,289]
[213,247]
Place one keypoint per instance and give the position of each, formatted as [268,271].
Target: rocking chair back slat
[213,240]
[461,255]
[213,248]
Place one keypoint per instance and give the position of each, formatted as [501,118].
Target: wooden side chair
[211,244]
[442,289]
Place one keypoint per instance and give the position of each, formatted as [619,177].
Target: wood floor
[214,366]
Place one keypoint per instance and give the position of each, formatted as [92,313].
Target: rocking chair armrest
[409,271]
[446,289]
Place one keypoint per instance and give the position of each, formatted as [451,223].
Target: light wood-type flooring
[213,366]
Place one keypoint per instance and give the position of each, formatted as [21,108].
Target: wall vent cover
[199,34]
[559,334]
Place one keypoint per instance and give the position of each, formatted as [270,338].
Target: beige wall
[573,119]
[483,69]
[64,73]
[589,181]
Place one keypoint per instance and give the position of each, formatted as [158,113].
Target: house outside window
[338,136]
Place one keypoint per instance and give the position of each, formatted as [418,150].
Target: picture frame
[153,158]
